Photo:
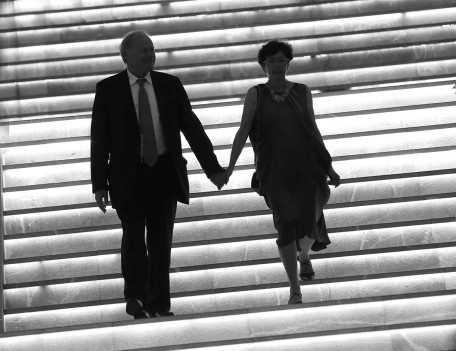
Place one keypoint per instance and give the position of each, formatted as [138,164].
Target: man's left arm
[198,140]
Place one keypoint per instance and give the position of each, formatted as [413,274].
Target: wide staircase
[381,73]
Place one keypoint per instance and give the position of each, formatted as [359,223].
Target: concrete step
[400,102]
[227,254]
[352,170]
[388,280]
[218,120]
[63,15]
[388,97]
[345,79]
[361,216]
[236,61]
[320,294]
[222,38]
[50,63]
[340,147]
[101,280]
[37,142]
[21,8]
[232,247]
[338,70]
[430,338]
[257,325]
[339,11]
[30,201]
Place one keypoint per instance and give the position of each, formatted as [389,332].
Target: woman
[291,161]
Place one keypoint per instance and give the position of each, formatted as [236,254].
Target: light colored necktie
[149,145]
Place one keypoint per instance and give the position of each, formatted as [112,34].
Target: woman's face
[276,66]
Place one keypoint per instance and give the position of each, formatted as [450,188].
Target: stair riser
[245,327]
[38,200]
[22,63]
[350,217]
[105,265]
[384,166]
[233,89]
[71,14]
[236,250]
[382,76]
[369,145]
[296,17]
[403,120]
[56,84]
[313,294]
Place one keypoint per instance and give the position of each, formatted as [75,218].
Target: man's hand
[218,179]
[101,197]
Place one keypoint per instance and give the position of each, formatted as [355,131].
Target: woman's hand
[228,173]
[334,177]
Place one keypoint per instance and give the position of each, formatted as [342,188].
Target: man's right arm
[99,148]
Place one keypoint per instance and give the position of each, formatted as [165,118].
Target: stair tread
[351,168]
[212,66]
[50,247]
[88,289]
[351,20]
[382,75]
[343,79]
[259,325]
[323,294]
[201,84]
[68,132]
[338,126]
[108,11]
[346,218]
[77,57]
[188,259]
[364,192]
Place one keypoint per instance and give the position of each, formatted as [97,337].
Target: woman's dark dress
[292,166]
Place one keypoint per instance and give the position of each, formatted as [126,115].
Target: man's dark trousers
[146,262]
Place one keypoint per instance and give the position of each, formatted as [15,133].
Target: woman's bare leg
[288,256]
[305,243]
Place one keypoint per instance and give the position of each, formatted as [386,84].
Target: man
[136,154]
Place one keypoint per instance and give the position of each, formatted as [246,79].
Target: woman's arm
[333,176]
[248,117]
[312,114]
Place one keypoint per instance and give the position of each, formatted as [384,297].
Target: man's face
[140,58]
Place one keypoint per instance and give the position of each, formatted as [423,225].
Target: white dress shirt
[148,86]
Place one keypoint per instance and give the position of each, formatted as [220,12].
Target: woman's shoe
[306,271]
[295,298]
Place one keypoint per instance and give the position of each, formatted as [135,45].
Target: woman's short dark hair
[272,47]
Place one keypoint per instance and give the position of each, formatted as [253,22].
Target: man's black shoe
[161,314]
[135,309]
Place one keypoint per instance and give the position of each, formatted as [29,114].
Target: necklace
[280,97]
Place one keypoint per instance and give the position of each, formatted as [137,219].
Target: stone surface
[257,325]
[237,249]
[382,74]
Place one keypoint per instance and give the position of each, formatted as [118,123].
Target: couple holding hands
[136,156]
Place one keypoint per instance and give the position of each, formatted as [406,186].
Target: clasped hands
[218,179]
[221,178]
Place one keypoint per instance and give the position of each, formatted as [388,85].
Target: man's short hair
[128,40]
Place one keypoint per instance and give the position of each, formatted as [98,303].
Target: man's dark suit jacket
[116,141]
